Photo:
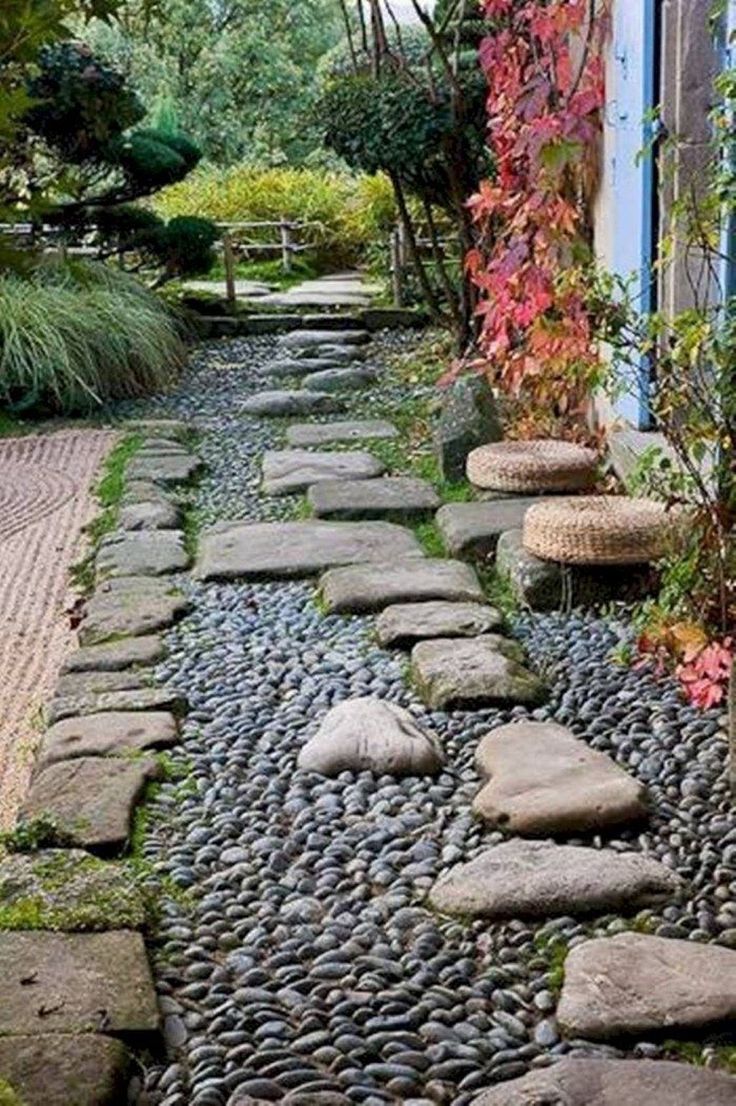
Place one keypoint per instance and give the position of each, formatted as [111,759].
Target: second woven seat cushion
[540,465]
[597,530]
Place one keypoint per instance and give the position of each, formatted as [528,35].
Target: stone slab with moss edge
[144,491]
[463,673]
[592,1082]
[77,983]
[163,469]
[388,497]
[135,699]
[472,530]
[633,984]
[372,587]
[90,800]
[321,433]
[69,890]
[282,550]
[130,612]
[340,380]
[304,339]
[404,624]
[279,403]
[114,656]
[141,553]
[538,879]
[290,471]
[113,733]
[150,515]
[62,1069]
[93,683]
[543,779]
[283,368]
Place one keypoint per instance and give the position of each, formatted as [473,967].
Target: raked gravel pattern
[295,955]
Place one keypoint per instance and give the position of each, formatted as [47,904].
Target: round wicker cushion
[597,530]
[541,465]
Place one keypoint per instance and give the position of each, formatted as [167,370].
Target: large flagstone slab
[93,683]
[277,403]
[165,469]
[543,779]
[152,515]
[134,699]
[142,553]
[108,733]
[321,433]
[372,587]
[464,673]
[114,656]
[290,471]
[276,550]
[634,984]
[301,339]
[592,1082]
[76,983]
[404,624]
[390,497]
[61,1069]
[131,612]
[538,879]
[472,530]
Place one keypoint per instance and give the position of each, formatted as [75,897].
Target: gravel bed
[294,954]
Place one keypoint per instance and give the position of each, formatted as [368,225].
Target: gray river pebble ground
[295,955]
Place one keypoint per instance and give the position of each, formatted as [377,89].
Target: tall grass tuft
[73,337]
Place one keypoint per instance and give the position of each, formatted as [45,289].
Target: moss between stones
[8,1097]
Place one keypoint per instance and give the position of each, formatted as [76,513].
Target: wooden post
[732,730]
[396,268]
[229,260]
[285,228]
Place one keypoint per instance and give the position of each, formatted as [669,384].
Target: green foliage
[9,1097]
[32,835]
[186,245]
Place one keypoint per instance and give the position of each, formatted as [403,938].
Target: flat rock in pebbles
[61,1069]
[340,380]
[164,469]
[594,1082]
[142,553]
[130,612]
[306,339]
[537,879]
[321,433]
[368,734]
[404,624]
[116,655]
[375,586]
[635,983]
[390,497]
[134,699]
[112,733]
[290,471]
[279,403]
[543,779]
[285,367]
[464,673]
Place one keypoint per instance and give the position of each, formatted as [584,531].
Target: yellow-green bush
[350,213]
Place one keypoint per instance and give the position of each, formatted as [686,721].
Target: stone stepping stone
[165,469]
[472,530]
[538,879]
[371,735]
[149,516]
[144,491]
[116,656]
[154,427]
[592,1082]
[281,550]
[460,673]
[90,799]
[70,890]
[393,497]
[284,368]
[291,471]
[93,683]
[111,733]
[280,403]
[340,380]
[328,356]
[372,587]
[308,433]
[148,553]
[544,779]
[303,339]
[404,624]
[81,983]
[131,612]
[634,984]
[59,1069]
[135,699]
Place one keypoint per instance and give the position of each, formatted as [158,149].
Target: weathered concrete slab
[465,673]
[537,879]
[118,655]
[135,699]
[152,515]
[544,779]
[145,553]
[301,339]
[472,530]
[69,890]
[91,799]
[92,683]
[592,1082]
[279,403]
[340,380]
[392,497]
[404,624]
[316,433]
[277,550]
[290,471]
[80,983]
[635,983]
[60,1069]
[130,612]
[110,733]
[372,587]
[167,470]
[368,734]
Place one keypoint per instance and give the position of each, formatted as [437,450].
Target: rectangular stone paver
[290,471]
[118,655]
[111,733]
[61,1069]
[389,497]
[404,624]
[136,699]
[76,983]
[466,673]
[375,586]
[164,469]
[279,402]
[472,530]
[142,553]
[321,433]
[280,550]
[129,613]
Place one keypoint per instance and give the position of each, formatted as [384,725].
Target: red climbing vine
[543,63]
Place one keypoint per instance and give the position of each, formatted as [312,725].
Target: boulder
[635,984]
[59,1069]
[472,530]
[404,624]
[111,733]
[371,735]
[538,879]
[135,699]
[543,779]
[321,433]
[392,497]
[290,471]
[117,655]
[280,403]
[466,673]
[372,587]
[145,553]
[468,419]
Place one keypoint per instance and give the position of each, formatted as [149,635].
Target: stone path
[350,289]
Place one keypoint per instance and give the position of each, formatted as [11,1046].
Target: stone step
[466,673]
[340,380]
[167,469]
[322,433]
[593,1082]
[290,471]
[134,699]
[279,403]
[301,339]
[472,530]
[543,779]
[634,984]
[392,497]
[538,879]
[141,553]
[116,656]
[334,321]
[286,367]
[132,612]
[282,550]
[108,733]
[93,683]
[60,1069]
[404,624]
[372,587]
[325,355]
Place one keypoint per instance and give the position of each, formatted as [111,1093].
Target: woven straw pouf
[597,530]
[540,465]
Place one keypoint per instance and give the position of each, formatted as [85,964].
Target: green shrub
[73,337]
